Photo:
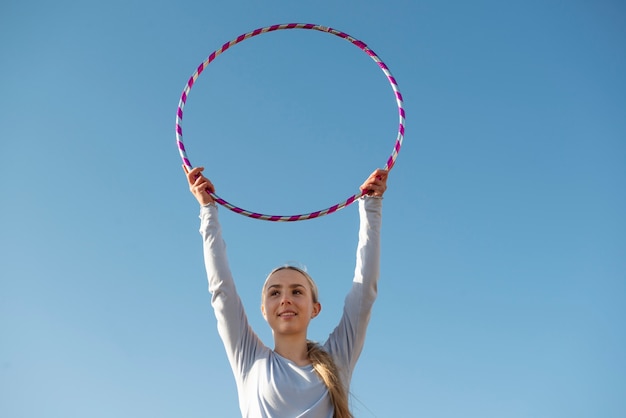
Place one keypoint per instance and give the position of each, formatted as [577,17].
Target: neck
[292,348]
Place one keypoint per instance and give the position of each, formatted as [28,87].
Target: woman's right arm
[240,341]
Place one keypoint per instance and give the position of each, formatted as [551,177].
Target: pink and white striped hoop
[280,218]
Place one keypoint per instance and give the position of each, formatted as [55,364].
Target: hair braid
[326,369]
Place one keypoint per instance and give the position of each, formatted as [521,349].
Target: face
[288,302]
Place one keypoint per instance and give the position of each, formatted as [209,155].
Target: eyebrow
[280,286]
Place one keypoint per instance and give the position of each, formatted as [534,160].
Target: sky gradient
[503,278]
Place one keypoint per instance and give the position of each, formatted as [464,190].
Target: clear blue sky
[503,282]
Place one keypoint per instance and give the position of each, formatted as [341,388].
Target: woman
[298,378]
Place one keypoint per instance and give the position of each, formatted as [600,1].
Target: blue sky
[503,280]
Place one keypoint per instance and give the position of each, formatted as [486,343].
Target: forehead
[287,277]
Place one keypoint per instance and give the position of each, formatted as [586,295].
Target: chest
[278,388]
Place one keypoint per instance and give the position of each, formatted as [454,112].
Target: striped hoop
[280,218]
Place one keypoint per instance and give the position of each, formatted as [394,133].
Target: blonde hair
[322,362]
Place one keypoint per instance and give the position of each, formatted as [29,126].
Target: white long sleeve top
[271,386]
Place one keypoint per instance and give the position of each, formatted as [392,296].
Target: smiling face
[289,302]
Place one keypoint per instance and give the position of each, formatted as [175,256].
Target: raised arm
[346,341]
[239,340]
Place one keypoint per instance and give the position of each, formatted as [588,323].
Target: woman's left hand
[376,183]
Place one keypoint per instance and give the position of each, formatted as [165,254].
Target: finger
[208,186]
[200,182]
[381,174]
[377,176]
[374,188]
[367,188]
[194,174]
[203,184]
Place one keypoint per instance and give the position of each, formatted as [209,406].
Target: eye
[297,292]
[274,293]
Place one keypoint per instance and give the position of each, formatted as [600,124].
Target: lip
[287,314]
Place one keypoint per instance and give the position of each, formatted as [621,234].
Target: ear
[263,311]
[317,308]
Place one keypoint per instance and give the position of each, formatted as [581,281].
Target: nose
[285,300]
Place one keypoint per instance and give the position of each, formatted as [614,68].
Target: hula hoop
[281,218]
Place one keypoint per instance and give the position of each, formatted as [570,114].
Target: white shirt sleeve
[240,341]
[346,342]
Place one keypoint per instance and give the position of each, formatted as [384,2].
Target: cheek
[310,308]
[267,307]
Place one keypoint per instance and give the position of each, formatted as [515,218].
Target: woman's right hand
[199,185]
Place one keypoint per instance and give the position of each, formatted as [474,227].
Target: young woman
[298,378]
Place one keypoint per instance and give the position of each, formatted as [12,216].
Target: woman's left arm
[347,340]
[367,267]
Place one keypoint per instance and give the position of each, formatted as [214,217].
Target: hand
[199,185]
[376,183]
